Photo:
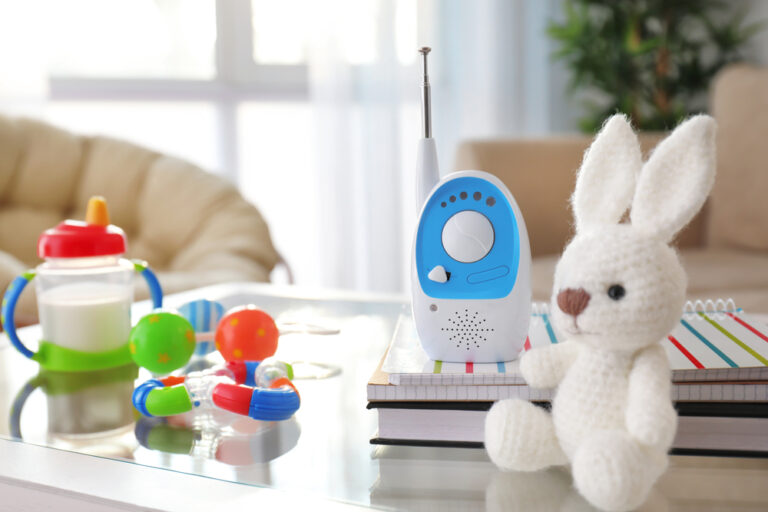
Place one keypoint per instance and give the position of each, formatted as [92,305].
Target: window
[226,84]
[220,83]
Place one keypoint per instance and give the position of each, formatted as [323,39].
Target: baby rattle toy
[273,397]
[164,341]
[619,290]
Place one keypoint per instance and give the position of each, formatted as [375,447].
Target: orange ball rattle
[246,333]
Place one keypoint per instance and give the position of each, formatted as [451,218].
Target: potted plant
[650,59]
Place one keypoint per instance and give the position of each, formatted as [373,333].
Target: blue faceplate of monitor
[491,277]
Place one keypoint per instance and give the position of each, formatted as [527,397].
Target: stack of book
[719,357]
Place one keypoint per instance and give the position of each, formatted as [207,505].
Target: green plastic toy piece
[162,342]
[168,401]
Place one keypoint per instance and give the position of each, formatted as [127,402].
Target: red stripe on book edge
[527,345]
[745,324]
[685,352]
[470,367]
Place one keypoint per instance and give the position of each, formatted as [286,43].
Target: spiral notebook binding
[539,308]
[716,308]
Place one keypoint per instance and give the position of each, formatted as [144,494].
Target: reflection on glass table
[324,450]
[218,435]
[88,412]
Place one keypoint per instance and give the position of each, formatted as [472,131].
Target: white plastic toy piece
[471,271]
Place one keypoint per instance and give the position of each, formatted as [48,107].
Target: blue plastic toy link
[141,393]
[273,404]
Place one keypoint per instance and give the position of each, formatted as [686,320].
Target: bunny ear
[676,180]
[607,176]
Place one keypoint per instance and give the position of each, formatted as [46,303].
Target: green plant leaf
[651,59]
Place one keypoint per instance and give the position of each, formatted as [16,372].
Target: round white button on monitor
[468,236]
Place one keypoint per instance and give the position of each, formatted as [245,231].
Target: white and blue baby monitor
[471,265]
[471,271]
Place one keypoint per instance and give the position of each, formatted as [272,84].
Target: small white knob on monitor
[438,274]
[468,236]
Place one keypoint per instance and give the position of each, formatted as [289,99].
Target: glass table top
[324,450]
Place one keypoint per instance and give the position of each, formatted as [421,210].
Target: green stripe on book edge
[735,339]
[438,367]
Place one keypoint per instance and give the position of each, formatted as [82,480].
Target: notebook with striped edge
[714,341]
[681,392]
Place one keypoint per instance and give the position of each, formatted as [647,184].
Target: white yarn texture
[612,418]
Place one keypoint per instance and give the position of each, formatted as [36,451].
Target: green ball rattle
[162,342]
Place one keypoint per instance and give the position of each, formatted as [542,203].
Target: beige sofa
[192,227]
[724,250]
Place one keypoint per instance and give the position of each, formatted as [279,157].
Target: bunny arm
[651,418]
[545,367]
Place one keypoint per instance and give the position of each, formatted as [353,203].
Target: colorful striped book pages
[714,341]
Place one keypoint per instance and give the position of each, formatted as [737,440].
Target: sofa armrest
[541,173]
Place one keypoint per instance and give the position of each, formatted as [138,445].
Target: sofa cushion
[738,209]
[712,274]
[192,227]
[541,174]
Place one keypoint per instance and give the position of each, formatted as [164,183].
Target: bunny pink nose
[573,301]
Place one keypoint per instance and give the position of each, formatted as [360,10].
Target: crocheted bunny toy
[619,290]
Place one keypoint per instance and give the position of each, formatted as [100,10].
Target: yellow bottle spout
[97,213]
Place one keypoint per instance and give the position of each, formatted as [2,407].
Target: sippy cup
[84,294]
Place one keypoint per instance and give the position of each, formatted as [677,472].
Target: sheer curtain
[23,80]
[491,76]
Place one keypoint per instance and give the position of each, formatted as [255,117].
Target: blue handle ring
[154,285]
[10,299]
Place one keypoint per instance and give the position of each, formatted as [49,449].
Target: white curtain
[23,77]
[491,76]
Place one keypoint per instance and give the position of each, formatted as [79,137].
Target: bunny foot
[520,436]
[615,473]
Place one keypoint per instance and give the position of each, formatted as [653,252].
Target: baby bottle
[84,294]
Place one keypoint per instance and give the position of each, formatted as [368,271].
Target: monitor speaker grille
[467,329]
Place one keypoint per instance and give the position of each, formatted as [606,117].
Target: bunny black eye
[616,292]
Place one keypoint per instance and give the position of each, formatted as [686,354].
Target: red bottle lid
[77,239]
